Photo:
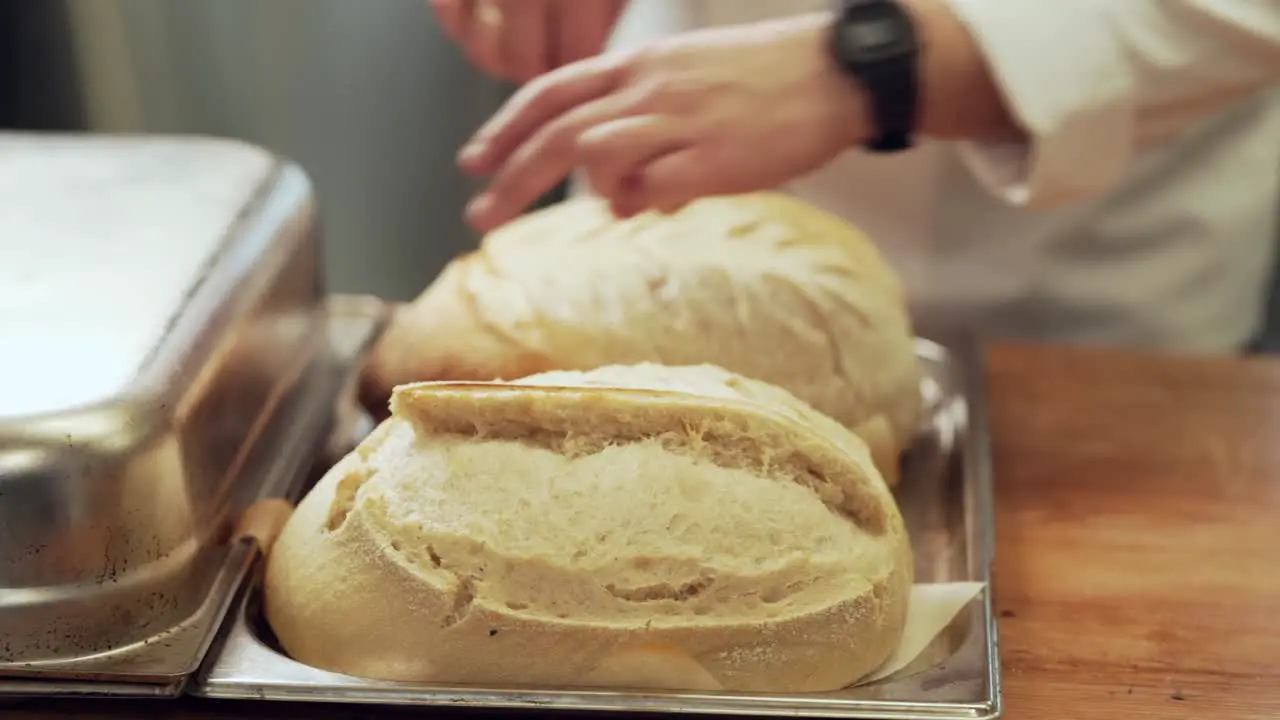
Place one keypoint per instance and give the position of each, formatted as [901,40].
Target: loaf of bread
[761,284]
[632,526]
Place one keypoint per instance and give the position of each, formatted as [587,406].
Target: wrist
[958,96]
[914,68]
[875,44]
[847,108]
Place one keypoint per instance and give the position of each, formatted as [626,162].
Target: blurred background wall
[366,95]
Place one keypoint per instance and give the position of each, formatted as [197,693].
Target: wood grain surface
[1138,561]
[1138,555]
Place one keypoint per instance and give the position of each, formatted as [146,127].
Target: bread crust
[350,590]
[762,284]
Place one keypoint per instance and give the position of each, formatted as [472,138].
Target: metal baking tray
[946,498]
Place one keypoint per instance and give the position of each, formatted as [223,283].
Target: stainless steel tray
[946,497]
[161,665]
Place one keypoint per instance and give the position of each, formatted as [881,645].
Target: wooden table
[1138,569]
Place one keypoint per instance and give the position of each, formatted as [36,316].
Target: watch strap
[894,106]
[887,73]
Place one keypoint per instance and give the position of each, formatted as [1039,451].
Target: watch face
[875,31]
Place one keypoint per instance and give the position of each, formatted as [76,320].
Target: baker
[1101,172]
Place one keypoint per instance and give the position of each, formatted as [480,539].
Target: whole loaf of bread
[762,284]
[630,526]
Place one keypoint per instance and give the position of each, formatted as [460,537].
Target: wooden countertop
[1138,555]
[1138,562]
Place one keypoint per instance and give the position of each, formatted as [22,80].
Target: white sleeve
[1094,81]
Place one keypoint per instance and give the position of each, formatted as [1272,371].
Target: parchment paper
[933,607]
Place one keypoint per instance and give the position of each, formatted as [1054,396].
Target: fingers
[583,28]
[674,180]
[485,33]
[534,106]
[526,41]
[537,164]
[614,153]
[452,16]
[508,39]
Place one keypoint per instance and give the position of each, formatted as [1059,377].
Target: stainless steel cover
[160,305]
[946,499]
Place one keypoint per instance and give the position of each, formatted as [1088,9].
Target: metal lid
[88,288]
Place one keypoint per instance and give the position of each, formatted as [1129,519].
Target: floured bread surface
[762,284]
[678,527]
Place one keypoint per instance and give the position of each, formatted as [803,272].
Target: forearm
[1091,83]
[1180,59]
[959,95]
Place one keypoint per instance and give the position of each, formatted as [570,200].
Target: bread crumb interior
[662,529]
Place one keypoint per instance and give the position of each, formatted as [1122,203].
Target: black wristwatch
[874,42]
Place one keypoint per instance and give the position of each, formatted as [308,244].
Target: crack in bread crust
[724,447]
[733,434]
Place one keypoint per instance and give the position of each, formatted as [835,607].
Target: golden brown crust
[761,284]
[440,336]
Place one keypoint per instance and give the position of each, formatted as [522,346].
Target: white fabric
[1124,220]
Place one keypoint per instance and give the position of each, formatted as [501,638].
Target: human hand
[713,112]
[518,40]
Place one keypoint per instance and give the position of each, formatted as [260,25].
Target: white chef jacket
[1120,221]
